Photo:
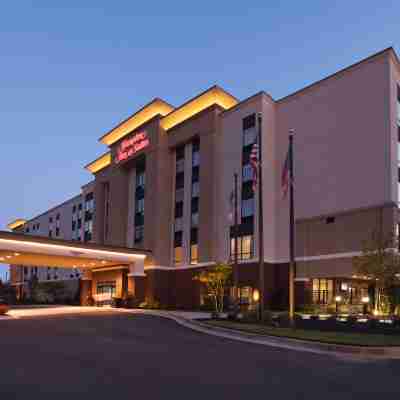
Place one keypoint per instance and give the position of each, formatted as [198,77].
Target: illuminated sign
[131,146]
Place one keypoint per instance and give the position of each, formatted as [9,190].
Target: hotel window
[180,180]
[245,247]
[178,249]
[195,189]
[178,255]
[194,253]
[249,135]
[247,173]
[195,205]
[139,206]
[178,224]
[248,208]
[140,183]
[179,210]
[322,291]
[180,165]
[195,220]
[106,188]
[139,233]
[194,247]
[179,195]
[195,174]
[140,178]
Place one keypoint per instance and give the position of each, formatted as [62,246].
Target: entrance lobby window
[322,291]
[245,247]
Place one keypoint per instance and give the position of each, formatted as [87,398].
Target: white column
[137,268]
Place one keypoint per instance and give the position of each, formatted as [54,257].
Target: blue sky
[69,72]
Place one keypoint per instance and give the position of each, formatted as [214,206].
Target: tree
[216,279]
[380,262]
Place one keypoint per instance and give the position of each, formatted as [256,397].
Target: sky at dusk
[71,70]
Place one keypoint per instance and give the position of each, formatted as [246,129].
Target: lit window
[194,248]
[245,247]
[178,255]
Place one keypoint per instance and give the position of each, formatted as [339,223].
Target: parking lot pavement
[109,354]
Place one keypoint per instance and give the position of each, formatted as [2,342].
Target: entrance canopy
[22,249]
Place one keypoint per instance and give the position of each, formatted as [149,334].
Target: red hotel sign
[131,146]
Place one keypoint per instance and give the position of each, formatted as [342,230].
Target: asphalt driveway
[115,355]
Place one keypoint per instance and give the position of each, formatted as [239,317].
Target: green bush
[150,305]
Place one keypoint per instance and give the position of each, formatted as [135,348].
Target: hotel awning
[22,249]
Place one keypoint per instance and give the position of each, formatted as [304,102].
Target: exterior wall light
[256,295]
[365,299]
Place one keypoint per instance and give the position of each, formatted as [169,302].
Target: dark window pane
[195,205]
[249,121]
[180,152]
[195,174]
[180,180]
[178,238]
[193,235]
[247,190]
[179,209]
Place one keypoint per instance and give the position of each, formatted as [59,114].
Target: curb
[284,343]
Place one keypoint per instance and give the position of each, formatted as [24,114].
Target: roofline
[22,237]
[243,102]
[156,99]
[51,209]
[369,58]
[87,166]
[199,95]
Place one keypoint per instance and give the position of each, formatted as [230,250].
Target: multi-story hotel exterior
[165,182]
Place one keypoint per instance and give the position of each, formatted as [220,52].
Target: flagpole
[291,233]
[236,247]
[260,221]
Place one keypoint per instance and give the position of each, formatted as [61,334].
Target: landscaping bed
[332,337]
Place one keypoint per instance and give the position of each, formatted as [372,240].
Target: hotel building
[165,181]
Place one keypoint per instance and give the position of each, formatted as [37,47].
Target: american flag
[254,162]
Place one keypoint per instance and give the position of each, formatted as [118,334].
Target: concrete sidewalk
[40,311]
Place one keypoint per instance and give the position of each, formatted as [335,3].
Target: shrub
[150,305]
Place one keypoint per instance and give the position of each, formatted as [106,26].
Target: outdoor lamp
[338,299]
[365,301]
[256,295]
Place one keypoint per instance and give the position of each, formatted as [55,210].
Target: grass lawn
[356,339]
